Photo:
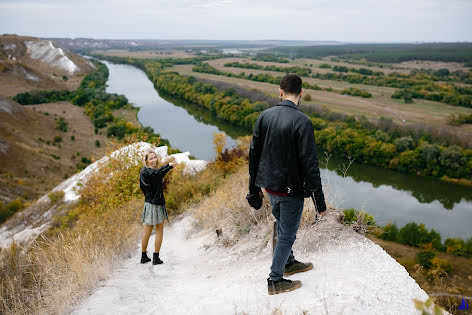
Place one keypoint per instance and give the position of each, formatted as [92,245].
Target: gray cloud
[344,20]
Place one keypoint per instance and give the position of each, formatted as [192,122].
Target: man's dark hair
[291,83]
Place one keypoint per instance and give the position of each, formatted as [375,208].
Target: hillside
[35,155]
[29,63]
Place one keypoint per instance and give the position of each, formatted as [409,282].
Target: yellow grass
[62,265]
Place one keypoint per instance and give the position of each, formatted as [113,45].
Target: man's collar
[288,103]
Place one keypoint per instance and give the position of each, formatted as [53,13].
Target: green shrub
[118,131]
[404,143]
[389,232]
[61,124]
[417,235]
[457,247]
[7,210]
[424,258]
[360,221]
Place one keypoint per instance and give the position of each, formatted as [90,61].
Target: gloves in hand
[255,199]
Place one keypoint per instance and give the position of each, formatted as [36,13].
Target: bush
[307,97]
[425,257]
[97,143]
[441,264]
[57,139]
[457,247]
[389,232]
[417,235]
[7,210]
[61,124]
[118,131]
[360,221]
[453,160]
[404,143]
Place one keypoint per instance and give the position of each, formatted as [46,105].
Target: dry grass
[57,271]
[61,266]
[228,207]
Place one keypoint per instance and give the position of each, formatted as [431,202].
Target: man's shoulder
[294,113]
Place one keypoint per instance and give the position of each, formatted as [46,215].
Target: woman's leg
[159,236]
[146,235]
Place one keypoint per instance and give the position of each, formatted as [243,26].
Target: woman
[154,212]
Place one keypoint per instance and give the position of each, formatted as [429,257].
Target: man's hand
[323,213]
[172,164]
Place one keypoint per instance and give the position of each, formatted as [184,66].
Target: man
[283,160]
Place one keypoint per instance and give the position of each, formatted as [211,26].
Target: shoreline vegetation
[385,144]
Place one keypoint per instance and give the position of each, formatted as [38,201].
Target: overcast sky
[340,20]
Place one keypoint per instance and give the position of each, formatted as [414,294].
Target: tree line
[301,71]
[386,53]
[264,77]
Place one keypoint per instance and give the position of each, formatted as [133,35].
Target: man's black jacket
[150,181]
[282,156]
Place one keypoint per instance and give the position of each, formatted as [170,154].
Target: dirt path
[199,277]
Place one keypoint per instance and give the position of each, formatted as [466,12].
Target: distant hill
[140,44]
[29,63]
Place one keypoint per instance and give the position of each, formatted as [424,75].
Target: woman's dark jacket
[282,156]
[150,182]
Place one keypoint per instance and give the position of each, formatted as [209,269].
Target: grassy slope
[31,168]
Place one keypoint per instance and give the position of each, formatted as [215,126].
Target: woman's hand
[172,164]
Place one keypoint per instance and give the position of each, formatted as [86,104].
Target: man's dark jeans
[288,212]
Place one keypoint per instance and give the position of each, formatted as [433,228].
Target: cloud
[344,20]
[211,5]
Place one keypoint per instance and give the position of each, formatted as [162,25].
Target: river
[387,195]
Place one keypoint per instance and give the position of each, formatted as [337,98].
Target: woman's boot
[155,259]
[144,258]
